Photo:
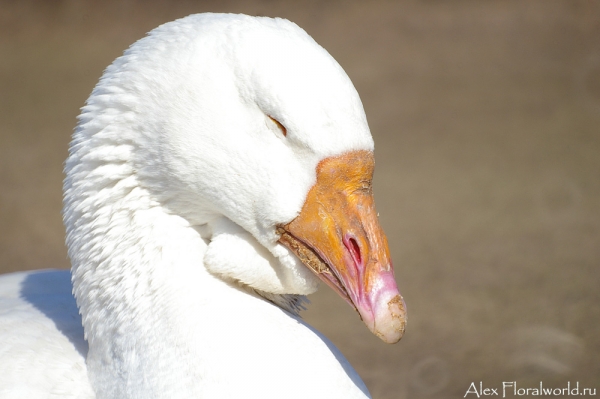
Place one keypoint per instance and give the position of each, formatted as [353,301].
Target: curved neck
[143,293]
[159,325]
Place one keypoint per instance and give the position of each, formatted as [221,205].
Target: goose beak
[338,236]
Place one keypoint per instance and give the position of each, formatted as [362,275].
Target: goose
[219,171]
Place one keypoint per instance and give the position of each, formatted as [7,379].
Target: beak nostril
[355,250]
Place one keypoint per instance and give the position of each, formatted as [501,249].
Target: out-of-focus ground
[486,119]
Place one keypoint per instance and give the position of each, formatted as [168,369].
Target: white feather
[176,181]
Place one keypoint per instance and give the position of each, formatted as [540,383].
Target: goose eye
[279,125]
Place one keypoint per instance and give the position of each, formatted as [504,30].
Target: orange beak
[337,235]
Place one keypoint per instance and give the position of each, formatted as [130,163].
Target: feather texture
[176,180]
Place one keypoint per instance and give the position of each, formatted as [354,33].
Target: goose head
[250,133]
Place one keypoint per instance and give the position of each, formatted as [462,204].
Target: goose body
[220,169]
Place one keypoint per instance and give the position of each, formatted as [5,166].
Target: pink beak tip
[384,310]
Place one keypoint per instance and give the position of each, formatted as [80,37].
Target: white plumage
[177,178]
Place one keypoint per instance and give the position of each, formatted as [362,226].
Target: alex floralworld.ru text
[510,387]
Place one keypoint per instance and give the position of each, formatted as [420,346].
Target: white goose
[211,157]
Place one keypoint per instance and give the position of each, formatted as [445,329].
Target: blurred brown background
[486,118]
